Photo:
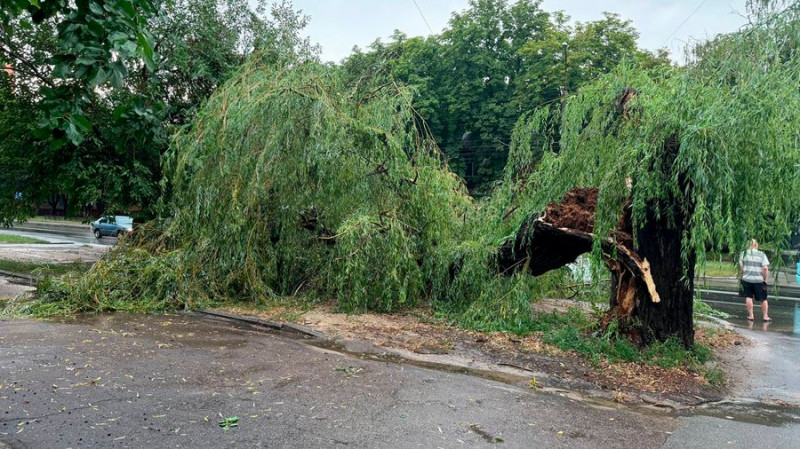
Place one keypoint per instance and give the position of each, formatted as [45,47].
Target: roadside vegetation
[8,238]
[718,268]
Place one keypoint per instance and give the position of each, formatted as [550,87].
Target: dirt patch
[419,335]
[576,212]
[52,253]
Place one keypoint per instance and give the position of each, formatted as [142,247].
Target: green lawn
[8,238]
[716,268]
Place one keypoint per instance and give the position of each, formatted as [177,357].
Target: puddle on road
[782,317]
[750,412]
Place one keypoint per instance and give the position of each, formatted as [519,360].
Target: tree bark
[659,240]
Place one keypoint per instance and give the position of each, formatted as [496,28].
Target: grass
[717,268]
[77,220]
[38,269]
[10,238]
[578,331]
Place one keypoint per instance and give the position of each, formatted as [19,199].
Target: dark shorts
[755,290]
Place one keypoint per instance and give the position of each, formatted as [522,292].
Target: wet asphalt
[764,409]
[133,381]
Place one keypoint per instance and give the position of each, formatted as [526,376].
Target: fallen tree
[292,180]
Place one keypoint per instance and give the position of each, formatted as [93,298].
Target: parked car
[112,225]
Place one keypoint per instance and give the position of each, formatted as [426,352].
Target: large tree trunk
[672,316]
[659,241]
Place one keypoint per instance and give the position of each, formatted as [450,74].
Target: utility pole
[564,91]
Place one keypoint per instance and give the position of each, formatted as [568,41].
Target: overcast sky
[338,25]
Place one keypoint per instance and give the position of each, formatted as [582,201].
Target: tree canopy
[496,60]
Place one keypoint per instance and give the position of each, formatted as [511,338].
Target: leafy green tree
[96,43]
[16,115]
[106,148]
[496,60]
[710,151]
[571,56]
[481,57]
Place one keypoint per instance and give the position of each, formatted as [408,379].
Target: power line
[684,22]
[423,16]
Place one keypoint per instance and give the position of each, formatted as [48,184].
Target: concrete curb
[28,245]
[21,279]
[285,327]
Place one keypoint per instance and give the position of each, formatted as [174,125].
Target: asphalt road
[61,231]
[167,381]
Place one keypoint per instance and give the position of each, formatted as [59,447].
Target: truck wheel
[97,233]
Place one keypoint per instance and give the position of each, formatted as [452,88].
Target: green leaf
[85,60]
[80,71]
[119,112]
[82,123]
[146,45]
[118,74]
[96,28]
[100,77]
[73,134]
[61,70]
[127,7]
[118,36]
[96,9]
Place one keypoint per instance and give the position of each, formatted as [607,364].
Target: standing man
[753,271]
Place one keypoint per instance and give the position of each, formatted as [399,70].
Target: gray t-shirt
[751,262]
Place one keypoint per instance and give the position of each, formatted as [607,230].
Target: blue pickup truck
[112,225]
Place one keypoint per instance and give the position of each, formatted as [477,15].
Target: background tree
[496,60]
[109,123]
[572,56]
[16,115]
[87,44]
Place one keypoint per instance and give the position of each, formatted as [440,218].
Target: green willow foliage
[736,115]
[291,181]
